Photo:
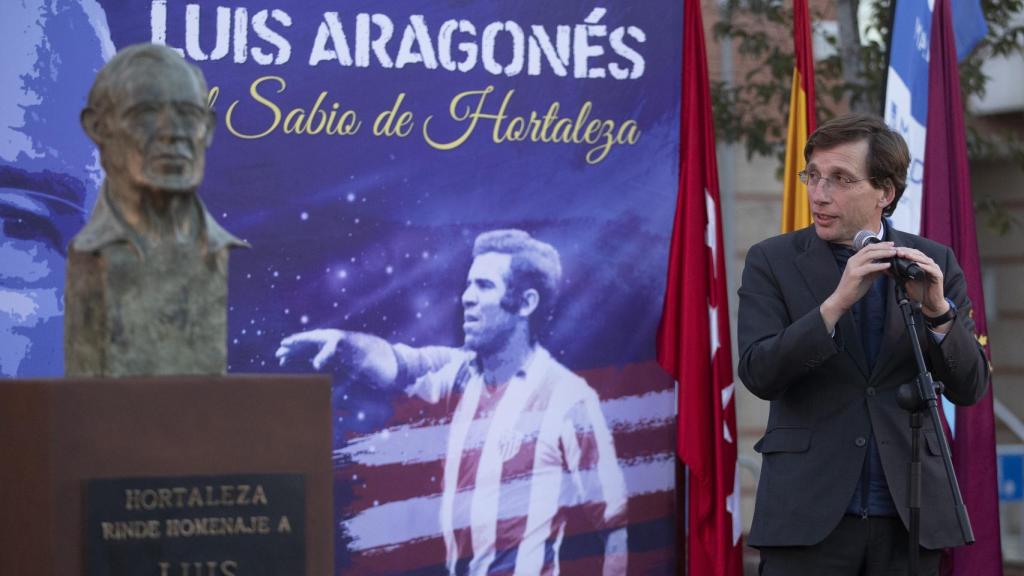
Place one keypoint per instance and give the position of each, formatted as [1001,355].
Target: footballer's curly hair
[534,264]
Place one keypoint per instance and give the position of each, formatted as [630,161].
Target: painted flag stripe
[391,523]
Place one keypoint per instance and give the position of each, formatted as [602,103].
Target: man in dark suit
[822,337]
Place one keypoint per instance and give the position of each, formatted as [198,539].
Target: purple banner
[498,408]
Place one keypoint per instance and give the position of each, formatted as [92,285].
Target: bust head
[147,112]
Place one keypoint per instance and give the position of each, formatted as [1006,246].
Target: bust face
[158,128]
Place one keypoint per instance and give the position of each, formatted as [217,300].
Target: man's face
[486,324]
[31,287]
[840,212]
[159,129]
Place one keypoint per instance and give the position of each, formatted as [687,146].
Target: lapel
[895,331]
[818,267]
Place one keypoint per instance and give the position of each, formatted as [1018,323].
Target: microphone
[901,268]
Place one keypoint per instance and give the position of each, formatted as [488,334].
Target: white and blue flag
[906,94]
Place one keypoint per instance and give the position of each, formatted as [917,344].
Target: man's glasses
[837,182]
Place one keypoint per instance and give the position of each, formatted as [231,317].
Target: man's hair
[104,89]
[888,156]
[534,264]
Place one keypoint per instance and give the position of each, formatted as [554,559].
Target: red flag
[693,339]
[948,217]
[796,211]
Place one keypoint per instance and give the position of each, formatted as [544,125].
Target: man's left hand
[928,290]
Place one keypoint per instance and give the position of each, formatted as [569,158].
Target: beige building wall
[1002,260]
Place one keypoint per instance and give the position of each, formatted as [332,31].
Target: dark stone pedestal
[60,438]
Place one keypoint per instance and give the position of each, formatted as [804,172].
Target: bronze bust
[147,275]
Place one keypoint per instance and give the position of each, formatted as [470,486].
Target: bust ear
[211,123]
[528,302]
[94,126]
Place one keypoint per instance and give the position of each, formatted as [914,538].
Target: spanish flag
[795,210]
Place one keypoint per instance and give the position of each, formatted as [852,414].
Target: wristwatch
[941,319]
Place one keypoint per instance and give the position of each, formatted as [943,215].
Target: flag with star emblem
[796,211]
[947,216]
[693,338]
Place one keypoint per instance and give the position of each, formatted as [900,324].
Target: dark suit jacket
[824,401]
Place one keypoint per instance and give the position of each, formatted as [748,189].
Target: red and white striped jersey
[518,454]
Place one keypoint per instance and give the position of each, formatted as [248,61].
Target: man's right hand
[861,271]
[322,344]
[363,356]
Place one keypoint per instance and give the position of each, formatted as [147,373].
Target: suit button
[860,442]
[871,391]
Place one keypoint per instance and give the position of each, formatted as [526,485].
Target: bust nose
[172,134]
[171,125]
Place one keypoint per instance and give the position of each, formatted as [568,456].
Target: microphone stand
[915,397]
